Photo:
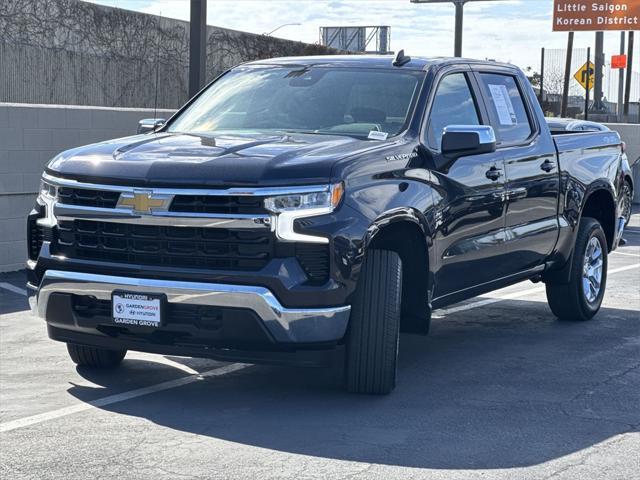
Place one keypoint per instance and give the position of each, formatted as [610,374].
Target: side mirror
[150,124]
[464,140]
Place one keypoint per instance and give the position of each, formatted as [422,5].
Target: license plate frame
[138,310]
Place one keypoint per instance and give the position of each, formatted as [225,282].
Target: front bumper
[285,325]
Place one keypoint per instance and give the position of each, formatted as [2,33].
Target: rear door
[532,175]
[470,197]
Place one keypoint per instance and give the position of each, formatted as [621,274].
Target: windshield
[319,100]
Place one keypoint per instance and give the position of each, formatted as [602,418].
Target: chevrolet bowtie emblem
[144,201]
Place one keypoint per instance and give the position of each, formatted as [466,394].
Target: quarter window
[452,105]
[506,107]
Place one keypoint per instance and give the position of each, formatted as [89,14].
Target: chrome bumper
[285,324]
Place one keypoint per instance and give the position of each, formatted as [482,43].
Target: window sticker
[376,135]
[504,107]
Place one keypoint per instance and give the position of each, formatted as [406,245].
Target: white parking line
[627,254]
[512,295]
[13,288]
[489,301]
[120,397]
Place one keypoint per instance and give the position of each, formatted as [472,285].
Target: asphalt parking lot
[499,390]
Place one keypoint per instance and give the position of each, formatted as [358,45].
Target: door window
[452,105]
[506,107]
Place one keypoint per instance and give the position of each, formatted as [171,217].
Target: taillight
[623,146]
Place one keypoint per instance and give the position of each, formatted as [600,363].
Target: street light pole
[197,46]
[279,27]
[459,4]
[459,19]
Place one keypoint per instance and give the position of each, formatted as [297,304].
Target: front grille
[189,247]
[212,204]
[314,260]
[218,204]
[88,198]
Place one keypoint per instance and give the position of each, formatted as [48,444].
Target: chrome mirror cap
[150,124]
[486,134]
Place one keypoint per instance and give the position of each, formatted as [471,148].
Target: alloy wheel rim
[592,270]
[626,207]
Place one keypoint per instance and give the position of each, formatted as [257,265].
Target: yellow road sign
[581,75]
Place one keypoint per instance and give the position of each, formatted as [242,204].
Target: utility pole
[598,104]
[621,78]
[197,46]
[627,93]
[459,4]
[567,76]
[588,86]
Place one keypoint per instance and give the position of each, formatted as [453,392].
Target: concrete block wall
[30,135]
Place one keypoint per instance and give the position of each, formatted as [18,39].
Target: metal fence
[553,81]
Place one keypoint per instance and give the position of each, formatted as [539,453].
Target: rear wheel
[374,326]
[94,357]
[580,299]
[627,201]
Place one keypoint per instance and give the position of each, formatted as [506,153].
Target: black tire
[374,326]
[94,357]
[569,301]
[627,201]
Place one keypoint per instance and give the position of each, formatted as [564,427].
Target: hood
[173,159]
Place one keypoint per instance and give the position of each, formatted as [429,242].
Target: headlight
[329,197]
[48,197]
[48,191]
[321,201]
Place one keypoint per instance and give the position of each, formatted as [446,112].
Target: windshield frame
[420,76]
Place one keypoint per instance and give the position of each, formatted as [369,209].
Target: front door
[470,195]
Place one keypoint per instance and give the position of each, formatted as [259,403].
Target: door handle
[548,165]
[493,173]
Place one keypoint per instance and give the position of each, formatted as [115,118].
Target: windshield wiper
[326,132]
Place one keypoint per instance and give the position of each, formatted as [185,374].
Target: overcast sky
[505,30]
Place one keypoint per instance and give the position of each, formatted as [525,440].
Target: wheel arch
[406,233]
[600,204]
[629,178]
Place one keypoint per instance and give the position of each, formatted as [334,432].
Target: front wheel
[581,298]
[374,326]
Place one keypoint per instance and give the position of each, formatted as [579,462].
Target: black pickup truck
[299,204]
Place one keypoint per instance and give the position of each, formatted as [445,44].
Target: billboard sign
[595,16]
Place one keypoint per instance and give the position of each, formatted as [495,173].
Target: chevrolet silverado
[295,205]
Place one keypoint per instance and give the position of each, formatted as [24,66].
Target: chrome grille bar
[237,191]
[174,219]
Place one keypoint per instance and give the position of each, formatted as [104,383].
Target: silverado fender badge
[401,156]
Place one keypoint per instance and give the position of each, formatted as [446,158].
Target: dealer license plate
[132,309]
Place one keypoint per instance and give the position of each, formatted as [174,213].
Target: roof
[369,61]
